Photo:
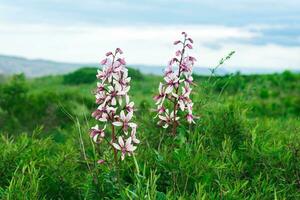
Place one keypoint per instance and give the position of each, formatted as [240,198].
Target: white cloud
[143,45]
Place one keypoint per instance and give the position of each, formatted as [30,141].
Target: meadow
[245,144]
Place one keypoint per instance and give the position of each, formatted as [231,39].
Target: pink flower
[133,136]
[104,74]
[176,42]
[122,61]
[118,50]
[178,53]
[167,119]
[97,134]
[125,148]
[103,111]
[171,99]
[171,82]
[124,121]
[129,107]
[184,98]
[168,70]
[192,59]
[100,98]
[160,109]
[101,161]
[100,87]
[112,88]
[161,95]
[191,40]
[189,80]
[104,61]
[189,46]
[115,93]
[109,53]
[190,118]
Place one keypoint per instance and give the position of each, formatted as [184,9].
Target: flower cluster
[115,109]
[177,87]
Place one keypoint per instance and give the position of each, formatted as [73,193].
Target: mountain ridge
[42,67]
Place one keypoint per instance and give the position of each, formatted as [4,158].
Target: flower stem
[177,88]
[113,141]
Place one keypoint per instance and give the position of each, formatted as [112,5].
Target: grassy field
[245,145]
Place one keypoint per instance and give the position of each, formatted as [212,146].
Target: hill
[34,67]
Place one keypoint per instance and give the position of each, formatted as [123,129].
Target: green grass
[246,144]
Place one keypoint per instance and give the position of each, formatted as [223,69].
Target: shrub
[80,76]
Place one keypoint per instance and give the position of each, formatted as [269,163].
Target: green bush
[81,76]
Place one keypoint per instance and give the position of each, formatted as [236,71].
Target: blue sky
[264,33]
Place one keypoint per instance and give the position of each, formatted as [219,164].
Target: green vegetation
[246,144]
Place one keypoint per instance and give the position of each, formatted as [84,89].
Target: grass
[245,145]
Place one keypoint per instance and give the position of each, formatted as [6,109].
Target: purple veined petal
[131,104]
[162,117]
[109,53]
[189,46]
[126,90]
[191,40]
[132,125]
[178,53]
[118,50]
[136,141]
[127,99]
[158,102]
[175,95]
[110,88]
[96,127]
[160,88]
[95,138]
[104,61]
[116,64]
[122,61]
[121,141]
[169,89]
[118,87]
[131,148]
[129,116]
[128,142]
[120,100]
[116,146]
[117,123]
[122,115]
[116,76]
[167,79]
[181,105]
[113,101]
[102,119]
[176,42]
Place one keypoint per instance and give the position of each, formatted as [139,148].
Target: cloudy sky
[264,33]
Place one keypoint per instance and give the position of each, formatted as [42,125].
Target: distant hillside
[38,67]
[34,68]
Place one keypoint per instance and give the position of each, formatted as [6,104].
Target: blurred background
[264,34]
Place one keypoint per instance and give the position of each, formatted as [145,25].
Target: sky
[264,33]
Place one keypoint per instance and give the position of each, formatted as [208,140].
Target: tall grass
[244,146]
